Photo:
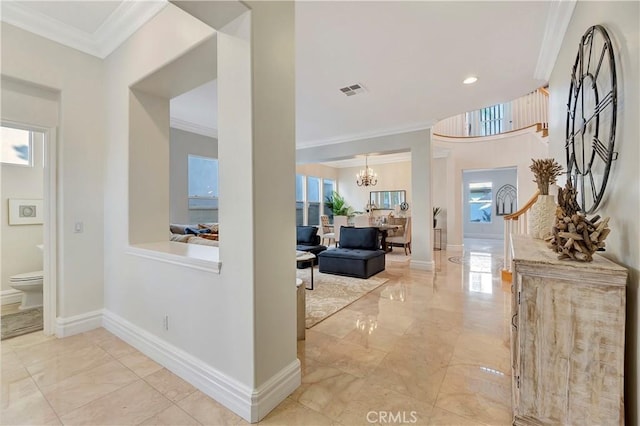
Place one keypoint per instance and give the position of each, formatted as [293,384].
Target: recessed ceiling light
[470,80]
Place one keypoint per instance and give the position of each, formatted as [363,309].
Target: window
[17,146]
[491,119]
[311,192]
[203,189]
[480,202]
[313,201]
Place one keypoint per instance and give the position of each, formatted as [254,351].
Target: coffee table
[305,258]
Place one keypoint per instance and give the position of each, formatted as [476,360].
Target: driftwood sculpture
[573,235]
[545,171]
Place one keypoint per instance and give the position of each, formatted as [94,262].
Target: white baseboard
[250,404]
[422,265]
[275,390]
[78,323]
[8,297]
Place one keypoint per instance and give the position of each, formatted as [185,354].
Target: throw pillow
[194,231]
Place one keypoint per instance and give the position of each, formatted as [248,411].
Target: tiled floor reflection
[425,348]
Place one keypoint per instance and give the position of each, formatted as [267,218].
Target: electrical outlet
[78,227]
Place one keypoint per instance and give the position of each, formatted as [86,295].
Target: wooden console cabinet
[567,338]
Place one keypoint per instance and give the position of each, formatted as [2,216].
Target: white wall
[439,194]
[78,78]
[19,251]
[622,198]
[391,176]
[498,177]
[317,170]
[182,144]
[239,323]
[509,150]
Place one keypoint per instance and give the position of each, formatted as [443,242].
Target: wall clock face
[591,118]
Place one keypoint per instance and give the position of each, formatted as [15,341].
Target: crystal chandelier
[366,177]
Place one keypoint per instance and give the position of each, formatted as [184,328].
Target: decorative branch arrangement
[573,235]
[545,171]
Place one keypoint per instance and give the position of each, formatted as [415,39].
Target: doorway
[28,235]
[482,207]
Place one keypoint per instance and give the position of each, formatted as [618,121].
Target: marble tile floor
[426,348]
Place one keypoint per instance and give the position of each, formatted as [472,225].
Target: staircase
[515,224]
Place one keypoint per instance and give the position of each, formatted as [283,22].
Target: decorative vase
[542,216]
[435,223]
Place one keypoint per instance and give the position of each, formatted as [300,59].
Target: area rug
[19,323]
[332,293]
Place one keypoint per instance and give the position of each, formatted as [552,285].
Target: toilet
[30,284]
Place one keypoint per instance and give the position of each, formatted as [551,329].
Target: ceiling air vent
[354,89]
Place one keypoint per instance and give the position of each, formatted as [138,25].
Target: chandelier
[366,177]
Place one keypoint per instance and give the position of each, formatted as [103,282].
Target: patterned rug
[22,322]
[333,292]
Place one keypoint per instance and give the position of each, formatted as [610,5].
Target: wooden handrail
[527,206]
[536,125]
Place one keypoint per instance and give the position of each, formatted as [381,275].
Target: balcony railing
[500,118]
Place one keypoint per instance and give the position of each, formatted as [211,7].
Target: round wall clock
[591,118]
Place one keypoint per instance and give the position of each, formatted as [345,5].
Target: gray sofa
[359,254]
[307,239]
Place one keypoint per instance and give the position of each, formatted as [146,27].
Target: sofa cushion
[359,238]
[315,249]
[307,235]
[180,238]
[345,253]
[203,241]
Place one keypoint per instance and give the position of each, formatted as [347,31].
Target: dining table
[384,229]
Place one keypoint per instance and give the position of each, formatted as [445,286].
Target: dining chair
[405,239]
[338,221]
[327,233]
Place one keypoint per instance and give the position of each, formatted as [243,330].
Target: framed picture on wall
[25,212]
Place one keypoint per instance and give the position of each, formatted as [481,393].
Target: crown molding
[558,19]
[373,160]
[120,25]
[123,22]
[189,126]
[365,135]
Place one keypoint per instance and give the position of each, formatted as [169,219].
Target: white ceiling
[93,27]
[197,110]
[410,56]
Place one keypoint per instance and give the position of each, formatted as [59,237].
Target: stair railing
[525,111]
[515,224]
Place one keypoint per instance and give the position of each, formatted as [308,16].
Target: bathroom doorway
[27,233]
